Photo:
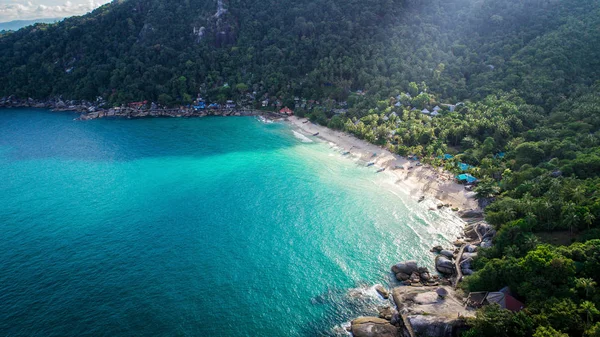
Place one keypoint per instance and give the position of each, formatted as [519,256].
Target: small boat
[315,134]
[306,121]
[422,198]
[370,163]
[381,169]
[345,153]
[419,164]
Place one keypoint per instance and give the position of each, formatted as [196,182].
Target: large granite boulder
[472,213]
[444,265]
[382,291]
[406,267]
[447,253]
[373,327]
[402,277]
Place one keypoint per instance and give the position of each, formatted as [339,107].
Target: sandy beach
[420,180]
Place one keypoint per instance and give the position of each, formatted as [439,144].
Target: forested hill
[167,50]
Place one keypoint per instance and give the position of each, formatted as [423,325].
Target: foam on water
[302,137]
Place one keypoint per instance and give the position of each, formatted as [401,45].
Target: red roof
[513,304]
[286,110]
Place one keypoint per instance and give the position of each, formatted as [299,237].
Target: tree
[549,331]
[589,310]
[587,284]
[486,188]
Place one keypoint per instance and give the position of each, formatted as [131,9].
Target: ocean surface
[194,227]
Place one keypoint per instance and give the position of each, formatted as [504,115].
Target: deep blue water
[193,227]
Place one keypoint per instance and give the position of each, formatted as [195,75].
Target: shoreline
[420,180]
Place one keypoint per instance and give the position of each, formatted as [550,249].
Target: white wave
[302,137]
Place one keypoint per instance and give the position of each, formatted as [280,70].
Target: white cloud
[27,10]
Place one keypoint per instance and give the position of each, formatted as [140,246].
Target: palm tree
[571,220]
[590,310]
[531,241]
[588,218]
[587,284]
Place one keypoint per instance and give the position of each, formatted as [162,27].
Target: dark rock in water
[415,278]
[425,276]
[402,276]
[373,327]
[447,253]
[406,267]
[436,249]
[382,291]
[444,265]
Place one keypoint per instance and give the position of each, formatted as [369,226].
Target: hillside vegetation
[526,71]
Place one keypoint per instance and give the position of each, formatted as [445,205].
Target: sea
[216,226]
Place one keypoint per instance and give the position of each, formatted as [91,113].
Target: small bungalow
[446,156]
[286,111]
[265,103]
[425,111]
[437,108]
[199,106]
[466,178]
[434,113]
[398,104]
[503,298]
[230,104]
[499,155]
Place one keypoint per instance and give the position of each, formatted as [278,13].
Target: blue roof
[500,155]
[448,156]
[463,166]
[466,177]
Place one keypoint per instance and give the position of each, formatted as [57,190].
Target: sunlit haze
[28,10]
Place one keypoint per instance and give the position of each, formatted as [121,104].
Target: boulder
[467,256]
[436,249]
[373,327]
[447,254]
[472,213]
[387,312]
[467,271]
[471,248]
[415,278]
[382,291]
[444,265]
[402,277]
[406,267]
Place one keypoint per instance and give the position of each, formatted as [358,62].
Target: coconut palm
[589,309]
[587,284]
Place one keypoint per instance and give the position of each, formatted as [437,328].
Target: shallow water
[200,227]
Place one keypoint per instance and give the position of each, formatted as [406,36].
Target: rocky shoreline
[424,304]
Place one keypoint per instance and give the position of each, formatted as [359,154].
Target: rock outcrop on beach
[429,314]
[409,273]
[374,327]
[444,265]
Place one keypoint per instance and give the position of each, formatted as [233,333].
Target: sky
[37,9]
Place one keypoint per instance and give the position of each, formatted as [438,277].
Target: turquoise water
[193,227]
